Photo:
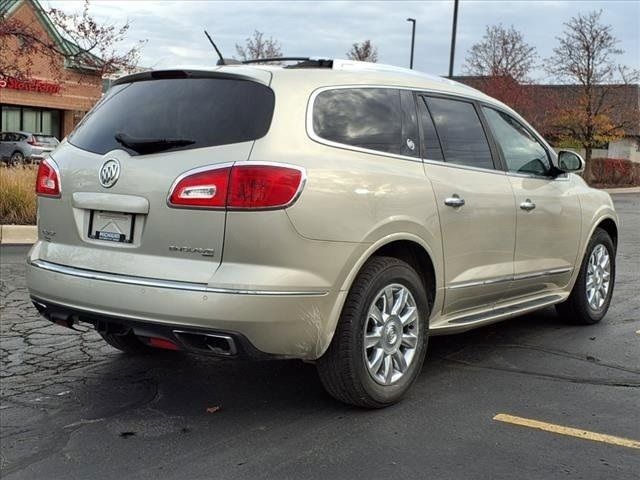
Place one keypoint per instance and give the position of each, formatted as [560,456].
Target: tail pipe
[216,343]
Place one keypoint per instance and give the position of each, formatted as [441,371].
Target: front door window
[520,149]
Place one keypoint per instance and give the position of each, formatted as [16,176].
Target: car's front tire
[591,295]
[381,338]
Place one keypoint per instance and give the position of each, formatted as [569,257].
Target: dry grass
[17,195]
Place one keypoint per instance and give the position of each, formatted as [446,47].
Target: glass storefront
[30,119]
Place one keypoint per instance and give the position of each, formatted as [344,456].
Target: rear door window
[431,145]
[461,133]
[200,112]
[380,119]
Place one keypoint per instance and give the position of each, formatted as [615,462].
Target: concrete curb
[18,234]
[623,190]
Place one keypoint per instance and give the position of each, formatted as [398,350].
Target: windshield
[189,112]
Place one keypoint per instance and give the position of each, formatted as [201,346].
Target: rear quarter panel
[349,196]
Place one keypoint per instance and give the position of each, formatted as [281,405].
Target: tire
[128,343]
[17,158]
[346,369]
[577,308]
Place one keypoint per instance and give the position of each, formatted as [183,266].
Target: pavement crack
[557,377]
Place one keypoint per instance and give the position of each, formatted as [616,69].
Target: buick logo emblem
[109,173]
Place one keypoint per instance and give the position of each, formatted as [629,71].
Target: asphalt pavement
[529,398]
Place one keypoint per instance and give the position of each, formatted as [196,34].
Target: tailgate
[159,241]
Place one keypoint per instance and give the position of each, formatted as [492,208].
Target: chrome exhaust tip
[211,343]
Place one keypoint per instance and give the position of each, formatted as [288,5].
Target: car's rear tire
[591,294]
[16,158]
[128,343]
[372,327]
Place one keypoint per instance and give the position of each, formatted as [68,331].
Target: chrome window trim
[464,167]
[316,138]
[509,278]
[219,166]
[159,283]
[420,91]
[560,178]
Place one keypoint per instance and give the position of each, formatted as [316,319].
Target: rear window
[48,139]
[381,119]
[206,111]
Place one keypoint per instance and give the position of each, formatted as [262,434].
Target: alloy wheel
[598,277]
[391,334]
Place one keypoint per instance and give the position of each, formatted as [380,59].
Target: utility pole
[413,38]
[453,37]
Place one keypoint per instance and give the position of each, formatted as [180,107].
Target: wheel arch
[411,249]
[416,256]
[405,246]
[609,225]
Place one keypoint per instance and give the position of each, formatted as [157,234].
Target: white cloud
[328,28]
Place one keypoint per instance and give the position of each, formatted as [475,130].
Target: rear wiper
[151,145]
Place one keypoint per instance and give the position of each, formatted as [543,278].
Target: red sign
[30,85]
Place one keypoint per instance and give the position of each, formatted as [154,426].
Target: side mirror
[569,161]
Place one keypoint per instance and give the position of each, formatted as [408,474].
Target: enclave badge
[109,173]
[205,252]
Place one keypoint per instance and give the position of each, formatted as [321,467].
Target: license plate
[111,226]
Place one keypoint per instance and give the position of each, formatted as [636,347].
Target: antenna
[221,61]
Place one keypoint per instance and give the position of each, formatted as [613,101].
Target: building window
[10,118]
[34,120]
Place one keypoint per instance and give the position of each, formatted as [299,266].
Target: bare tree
[364,52]
[586,56]
[79,40]
[257,46]
[501,52]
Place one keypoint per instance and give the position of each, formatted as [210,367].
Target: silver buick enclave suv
[331,211]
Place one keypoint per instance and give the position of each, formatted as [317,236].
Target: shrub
[613,172]
[17,195]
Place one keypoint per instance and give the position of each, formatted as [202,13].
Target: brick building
[54,98]
[540,104]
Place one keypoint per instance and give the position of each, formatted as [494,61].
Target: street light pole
[413,38]
[453,37]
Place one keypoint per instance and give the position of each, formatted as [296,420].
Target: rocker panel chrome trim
[524,276]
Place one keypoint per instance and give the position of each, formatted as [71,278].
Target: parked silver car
[20,147]
[333,211]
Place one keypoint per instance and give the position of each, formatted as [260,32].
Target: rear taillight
[250,186]
[203,189]
[48,179]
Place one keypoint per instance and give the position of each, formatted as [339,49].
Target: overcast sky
[327,29]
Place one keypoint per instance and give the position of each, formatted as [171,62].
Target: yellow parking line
[572,432]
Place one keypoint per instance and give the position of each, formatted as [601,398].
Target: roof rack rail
[275,59]
[303,62]
[315,63]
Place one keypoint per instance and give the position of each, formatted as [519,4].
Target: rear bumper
[284,324]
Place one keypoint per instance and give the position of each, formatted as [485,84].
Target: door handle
[527,205]
[454,201]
